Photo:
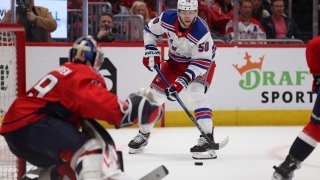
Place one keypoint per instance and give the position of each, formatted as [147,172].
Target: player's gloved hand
[181,83]
[151,57]
[316,84]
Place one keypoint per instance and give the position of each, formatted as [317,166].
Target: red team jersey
[73,88]
[313,55]
[313,61]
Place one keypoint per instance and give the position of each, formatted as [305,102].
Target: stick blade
[156,174]
[223,143]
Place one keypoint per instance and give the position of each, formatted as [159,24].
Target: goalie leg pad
[88,167]
[86,162]
[98,157]
[89,162]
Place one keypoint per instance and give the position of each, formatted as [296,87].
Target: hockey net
[12,84]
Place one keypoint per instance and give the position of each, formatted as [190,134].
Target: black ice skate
[285,170]
[137,144]
[203,149]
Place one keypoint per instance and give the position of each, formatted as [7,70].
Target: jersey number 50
[204,47]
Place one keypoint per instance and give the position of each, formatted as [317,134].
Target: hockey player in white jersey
[190,67]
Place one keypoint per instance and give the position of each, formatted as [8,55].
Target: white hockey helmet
[187,5]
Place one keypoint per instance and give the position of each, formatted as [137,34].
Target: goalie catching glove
[151,57]
[140,108]
[181,83]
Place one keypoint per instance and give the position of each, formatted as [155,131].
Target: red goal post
[12,85]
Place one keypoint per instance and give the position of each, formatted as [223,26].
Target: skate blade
[135,151]
[204,155]
[277,176]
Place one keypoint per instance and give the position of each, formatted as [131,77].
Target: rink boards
[252,85]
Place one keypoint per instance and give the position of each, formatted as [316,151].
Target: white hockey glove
[151,57]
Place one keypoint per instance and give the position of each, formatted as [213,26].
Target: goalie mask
[85,51]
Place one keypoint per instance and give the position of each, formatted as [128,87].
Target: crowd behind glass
[259,21]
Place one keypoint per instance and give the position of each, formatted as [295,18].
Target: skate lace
[139,138]
[201,141]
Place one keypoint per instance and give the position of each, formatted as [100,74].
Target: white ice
[250,154]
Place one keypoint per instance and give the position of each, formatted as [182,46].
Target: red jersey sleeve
[313,56]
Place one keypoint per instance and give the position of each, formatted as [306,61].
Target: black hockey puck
[198,163]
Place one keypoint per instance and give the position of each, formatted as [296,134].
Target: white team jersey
[193,46]
[249,30]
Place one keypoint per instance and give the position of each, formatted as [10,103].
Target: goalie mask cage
[12,84]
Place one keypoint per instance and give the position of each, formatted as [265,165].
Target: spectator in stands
[76,27]
[152,7]
[204,13]
[258,11]
[170,4]
[303,18]
[118,8]
[139,7]
[37,20]
[75,4]
[278,26]
[221,12]
[106,31]
[249,28]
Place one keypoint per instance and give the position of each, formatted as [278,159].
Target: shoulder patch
[156,20]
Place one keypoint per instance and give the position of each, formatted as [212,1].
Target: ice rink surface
[250,154]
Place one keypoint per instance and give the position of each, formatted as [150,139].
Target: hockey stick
[156,174]
[214,145]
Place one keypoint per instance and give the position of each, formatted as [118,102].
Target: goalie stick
[213,144]
[156,174]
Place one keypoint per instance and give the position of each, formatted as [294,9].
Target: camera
[113,31]
[24,5]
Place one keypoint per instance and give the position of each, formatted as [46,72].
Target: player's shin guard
[285,170]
